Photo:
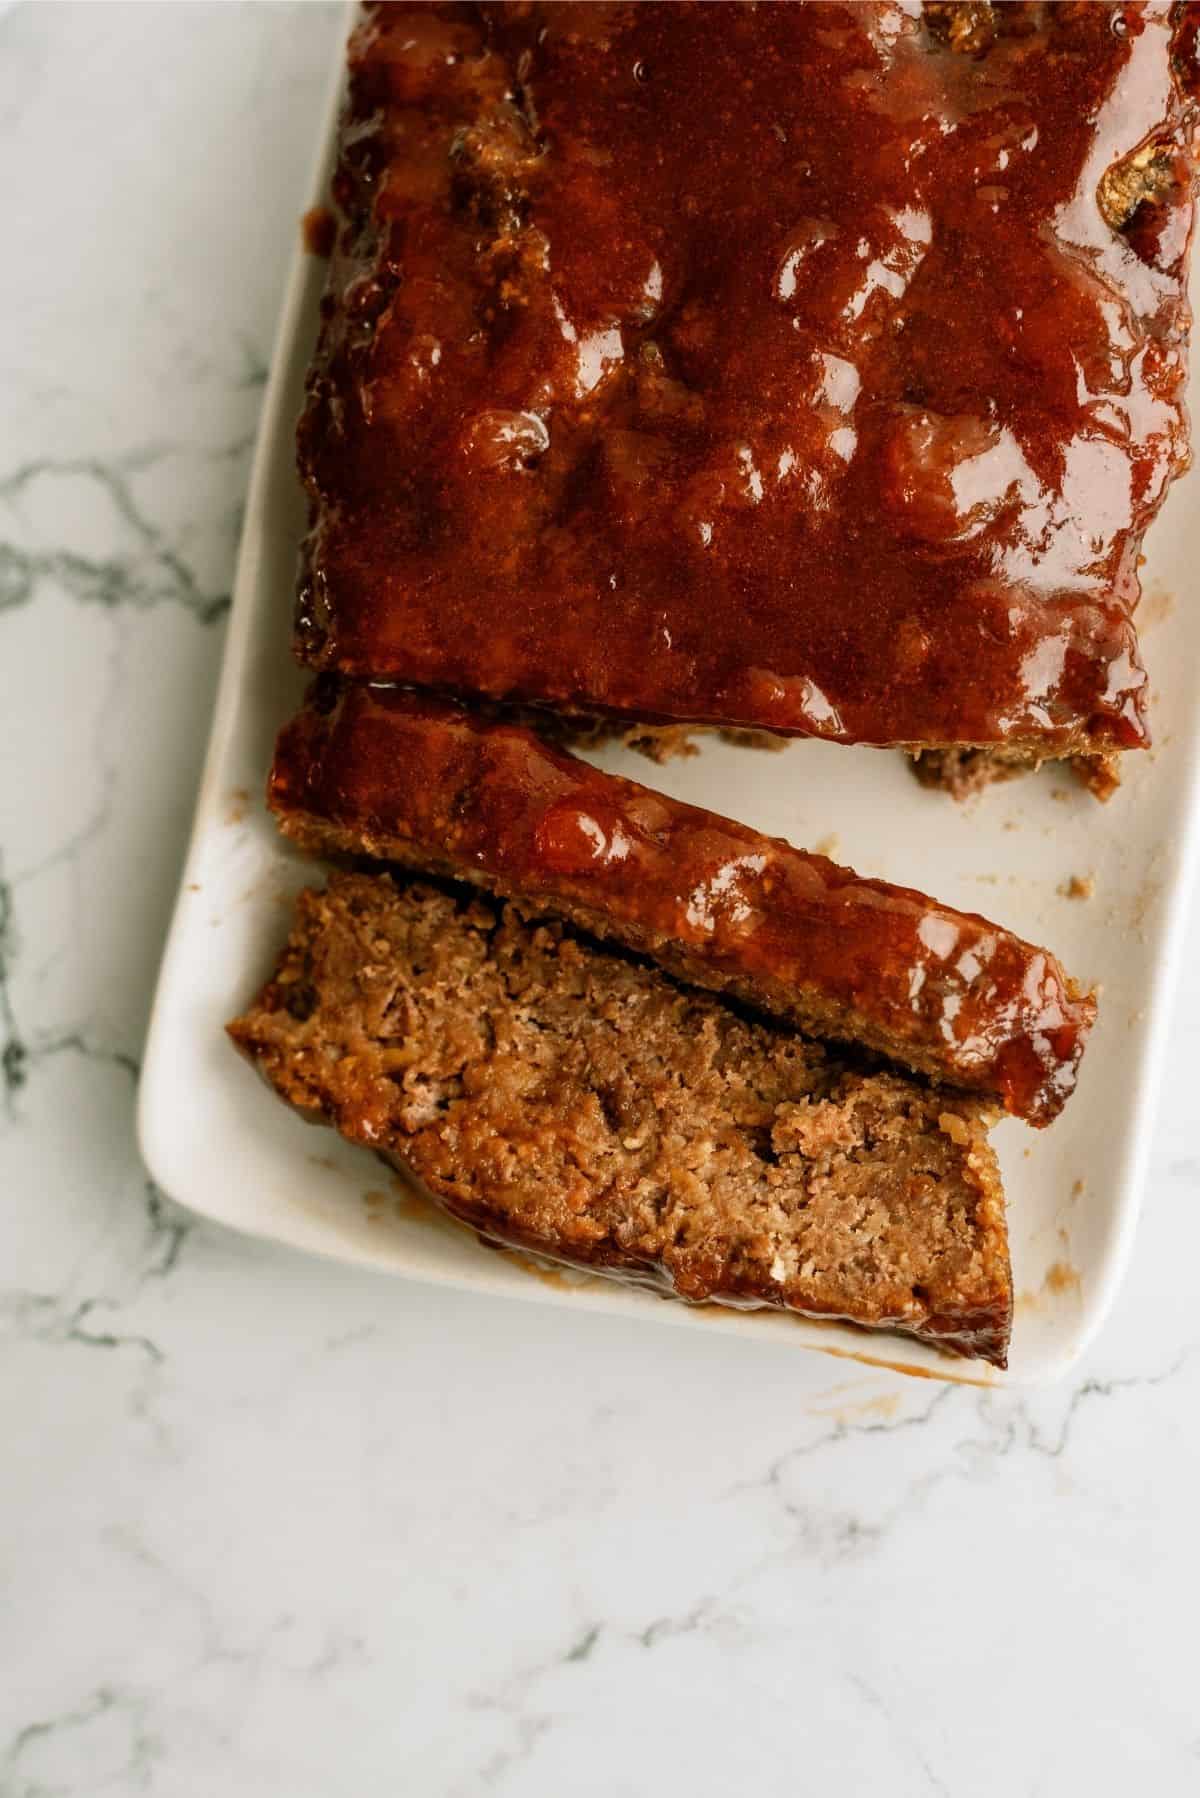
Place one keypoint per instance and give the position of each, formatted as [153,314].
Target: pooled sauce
[1062,1277]
[1060,1280]
[318,229]
[949,1375]
[775,366]
[719,904]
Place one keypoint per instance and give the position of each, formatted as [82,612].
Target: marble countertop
[269,1526]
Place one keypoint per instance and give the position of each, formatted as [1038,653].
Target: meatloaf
[566,1097]
[807,367]
[409,778]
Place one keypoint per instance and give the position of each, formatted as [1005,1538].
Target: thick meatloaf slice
[568,1098]
[410,778]
[796,367]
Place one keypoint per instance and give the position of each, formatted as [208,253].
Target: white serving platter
[215,1138]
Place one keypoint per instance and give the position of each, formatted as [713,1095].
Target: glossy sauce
[774,365]
[407,776]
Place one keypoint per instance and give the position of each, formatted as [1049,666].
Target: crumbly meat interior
[572,1099]
[959,769]
[963,771]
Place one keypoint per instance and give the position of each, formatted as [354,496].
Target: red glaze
[409,777]
[768,365]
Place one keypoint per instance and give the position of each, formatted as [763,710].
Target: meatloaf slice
[417,780]
[566,1097]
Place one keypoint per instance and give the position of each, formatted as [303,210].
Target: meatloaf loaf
[564,1096]
[808,367]
[412,779]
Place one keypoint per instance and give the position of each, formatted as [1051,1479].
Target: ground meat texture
[965,772]
[1146,177]
[962,25]
[567,1098]
[411,779]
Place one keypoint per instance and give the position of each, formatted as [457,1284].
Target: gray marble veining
[271,1526]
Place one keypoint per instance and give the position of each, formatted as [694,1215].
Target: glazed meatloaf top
[574,1100]
[809,367]
[414,779]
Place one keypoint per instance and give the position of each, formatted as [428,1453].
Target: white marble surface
[269,1527]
